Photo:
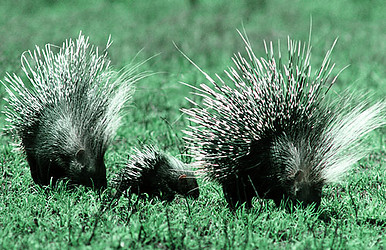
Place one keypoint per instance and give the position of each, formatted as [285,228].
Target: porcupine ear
[183,176]
[80,156]
[299,175]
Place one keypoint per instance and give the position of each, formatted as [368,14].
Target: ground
[352,212]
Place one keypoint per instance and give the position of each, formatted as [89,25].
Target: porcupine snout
[88,170]
[298,165]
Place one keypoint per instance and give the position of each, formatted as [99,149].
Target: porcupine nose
[307,195]
[98,179]
[100,183]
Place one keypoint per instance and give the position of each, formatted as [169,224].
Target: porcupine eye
[183,176]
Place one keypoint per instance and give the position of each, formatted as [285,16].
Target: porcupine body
[269,131]
[156,173]
[68,111]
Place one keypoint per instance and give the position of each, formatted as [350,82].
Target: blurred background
[206,31]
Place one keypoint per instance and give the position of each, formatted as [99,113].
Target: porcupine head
[61,149]
[281,168]
[184,179]
[297,171]
[67,112]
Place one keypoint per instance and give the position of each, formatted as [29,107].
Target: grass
[353,211]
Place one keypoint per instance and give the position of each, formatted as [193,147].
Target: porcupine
[269,131]
[67,114]
[156,173]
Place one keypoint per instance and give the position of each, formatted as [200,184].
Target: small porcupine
[154,172]
[269,131]
[67,114]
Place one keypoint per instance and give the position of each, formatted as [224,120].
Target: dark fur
[157,174]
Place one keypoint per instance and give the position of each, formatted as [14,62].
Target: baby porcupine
[268,130]
[68,111]
[154,172]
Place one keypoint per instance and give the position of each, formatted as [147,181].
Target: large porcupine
[269,130]
[156,173]
[69,111]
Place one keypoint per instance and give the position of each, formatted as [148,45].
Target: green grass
[353,212]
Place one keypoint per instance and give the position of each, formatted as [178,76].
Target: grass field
[353,212]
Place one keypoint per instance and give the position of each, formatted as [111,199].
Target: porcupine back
[267,130]
[68,111]
[152,171]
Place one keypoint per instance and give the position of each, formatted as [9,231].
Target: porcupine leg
[238,192]
[33,167]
